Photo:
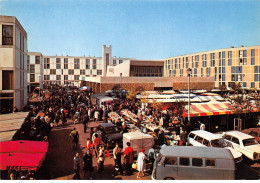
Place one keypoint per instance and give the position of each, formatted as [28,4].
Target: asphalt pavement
[58,164]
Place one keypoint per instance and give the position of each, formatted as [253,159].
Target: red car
[255,132]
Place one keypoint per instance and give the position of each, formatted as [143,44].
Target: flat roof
[197,152]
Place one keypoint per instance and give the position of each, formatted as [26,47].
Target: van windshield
[218,143]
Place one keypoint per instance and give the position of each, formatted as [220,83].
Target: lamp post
[121,87]
[188,73]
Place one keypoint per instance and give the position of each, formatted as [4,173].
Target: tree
[131,95]
[177,108]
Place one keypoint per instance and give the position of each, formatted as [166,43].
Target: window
[57,60]
[210,162]
[32,69]
[204,60]
[208,71]
[114,62]
[66,77]
[32,78]
[94,66]
[120,61]
[170,161]
[199,139]
[229,62]
[71,72]
[252,84]
[37,59]
[195,72]
[46,63]
[82,72]
[192,135]
[206,143]
[87,64]
[76,77]
[7,80]
[58,77]
[66,60]
[197,162]
[65,66]
[99,72]
[53,71]
[46,77]
[187,62]
[201,72]
[58,66]
[253,57]
[176,64]
[7,35]
[107,59]
[235,140]
[76,63]
[184,161]
[181,72]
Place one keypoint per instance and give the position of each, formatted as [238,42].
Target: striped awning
[208,109]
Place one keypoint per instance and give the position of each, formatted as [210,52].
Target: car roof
[106,124]
[239,135]
[205,134]
[196,152]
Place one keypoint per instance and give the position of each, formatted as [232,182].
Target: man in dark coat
[88,164]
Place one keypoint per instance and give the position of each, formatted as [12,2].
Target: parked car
[207,139]
[110,135]
[244,143]
[255,132]
[194,163]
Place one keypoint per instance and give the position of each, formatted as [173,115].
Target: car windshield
[249,142]
[218,143]
[110,129]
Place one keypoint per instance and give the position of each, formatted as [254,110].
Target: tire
[168,178]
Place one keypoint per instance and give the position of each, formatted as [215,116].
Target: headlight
[255,156]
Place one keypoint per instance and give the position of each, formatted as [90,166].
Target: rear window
[210,163]
[197,162]
[184,161]
[251,141]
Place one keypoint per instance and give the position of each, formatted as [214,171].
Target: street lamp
[188,73]
[121,87]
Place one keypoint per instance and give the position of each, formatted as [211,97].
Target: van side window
[228,137]
[235,140]
[171,161]
[184,161]
[197,162]
[199,139]
[210,162]
[206,142]
[192,135]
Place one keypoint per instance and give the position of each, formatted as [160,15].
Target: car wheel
[168,178]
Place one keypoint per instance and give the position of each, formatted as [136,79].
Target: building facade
[227,66]
[35,70]
[13,64]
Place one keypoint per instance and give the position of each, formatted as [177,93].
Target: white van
[207,139]
[194,163]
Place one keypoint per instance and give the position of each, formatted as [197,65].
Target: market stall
[138,141]
[129,116]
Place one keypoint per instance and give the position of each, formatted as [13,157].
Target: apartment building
[13,64]
[35,70]
[71,70]
[228,66]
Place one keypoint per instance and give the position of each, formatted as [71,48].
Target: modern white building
[13,64]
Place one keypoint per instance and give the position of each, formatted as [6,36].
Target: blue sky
[142,29]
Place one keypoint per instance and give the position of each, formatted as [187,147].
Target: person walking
[141,165]
[183,137]
[85,122]
[97,142]
[128,158]
[117,154]
[89,145]
[151,157]
[88,164]
[101,159]
[74,135]
[76,167]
